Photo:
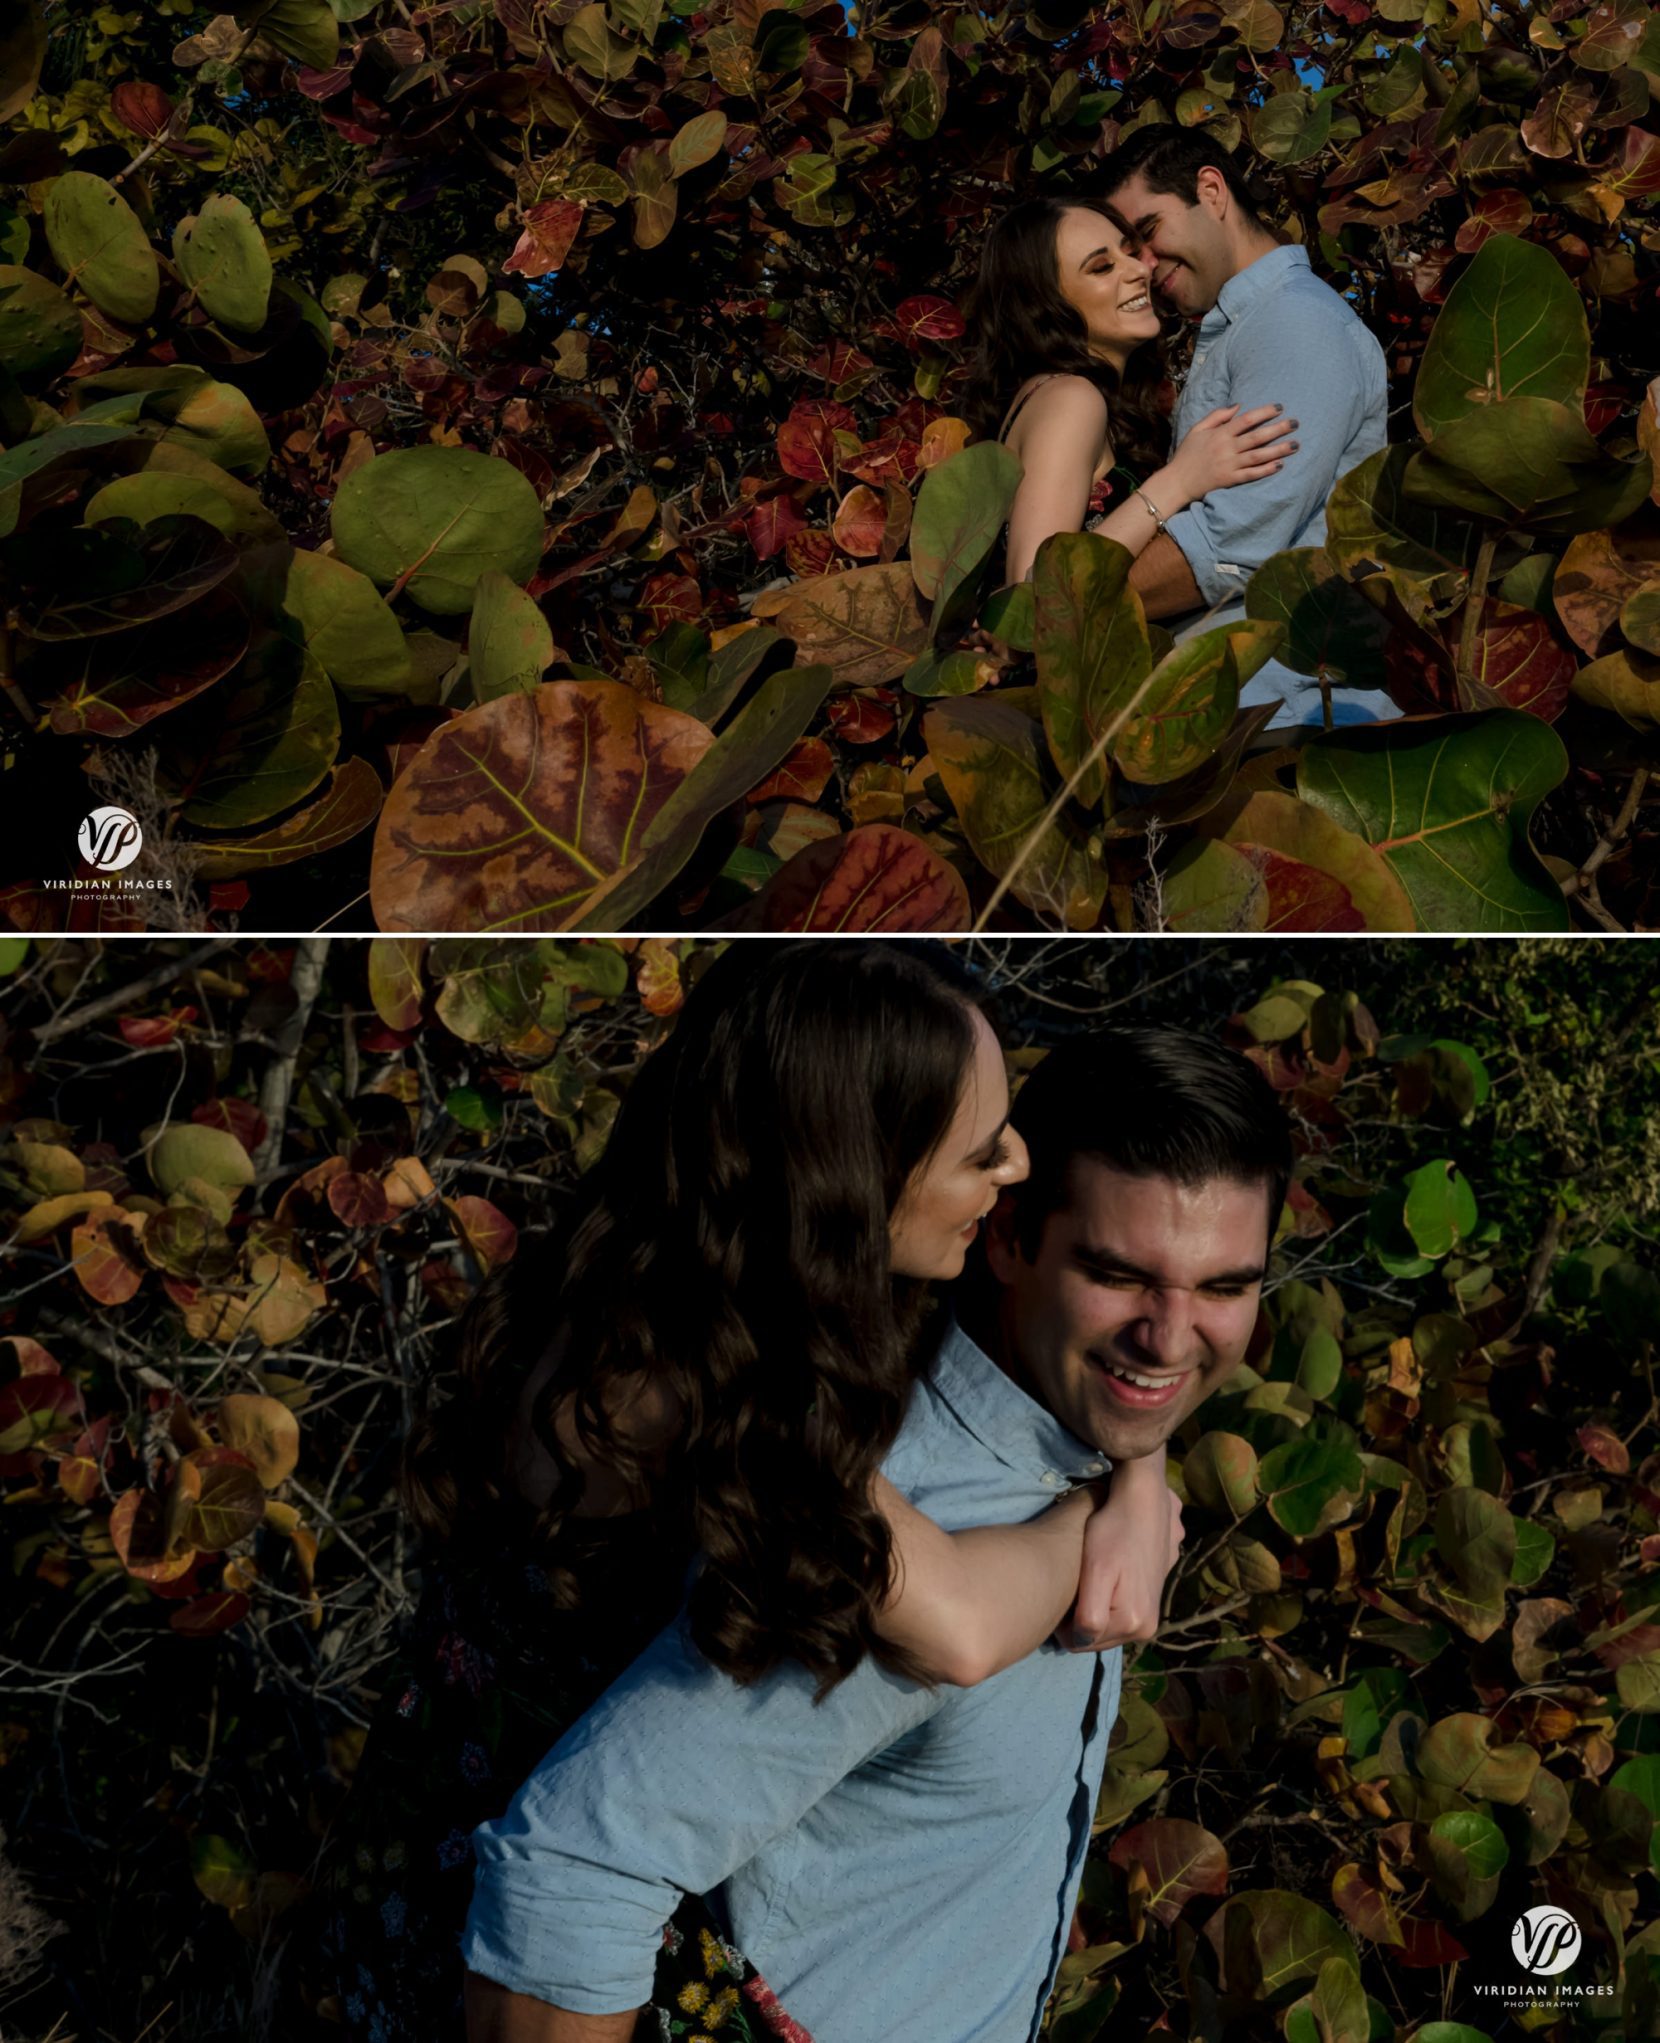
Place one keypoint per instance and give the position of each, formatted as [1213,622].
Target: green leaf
[1513,325]
[307,30]
[1190,703]
[222,256]
[348,803]
[702,137]
[480,1113]
[1448,803]
[753,744]
[590,43]
[102,246]
[259,742]
[40,329]
[509,644]
[1380,1694]
[1313,1482]
[182,1150]
[433,519]
[1476,1537]
[1220,1472]
[1440,1208]
[1459,1753]
[1424,554]
[960,510]
[1467,1852]
[1638,1682]
[1331,630]
[1090,636]
[992,759]
[1268,1939]
[1531,461]
[347,626]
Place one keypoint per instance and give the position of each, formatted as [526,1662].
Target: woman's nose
[1017,1165]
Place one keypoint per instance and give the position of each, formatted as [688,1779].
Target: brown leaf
[875,879]
[511,816]
[866,626]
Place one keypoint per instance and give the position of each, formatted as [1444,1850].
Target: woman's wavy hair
[1024,327]
[732,1250]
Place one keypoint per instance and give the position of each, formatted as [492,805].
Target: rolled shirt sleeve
[1326,384]
[675,1778]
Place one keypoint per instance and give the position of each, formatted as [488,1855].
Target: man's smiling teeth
[1144,1382]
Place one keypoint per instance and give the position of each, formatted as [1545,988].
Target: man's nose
[1164,1331]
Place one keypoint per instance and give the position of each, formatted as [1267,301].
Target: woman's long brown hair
[1023,327]
[733,1251]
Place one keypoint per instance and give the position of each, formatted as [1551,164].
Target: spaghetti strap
[1013,411]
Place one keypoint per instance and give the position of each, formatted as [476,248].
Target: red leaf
[1425,1945]
[861,522]
[1606,1449]
[671,598]
[1519,658]
[877,878]
[240,1118]
[142,108]
[811,552]
[202,1616]
[1300,897]
[358,1201]
[149,1032]
[485,1229]
[228,897]
[801,778]
[773,524]
[807,439]
[928,318]
[100,1261]
[859,719]
[549,230]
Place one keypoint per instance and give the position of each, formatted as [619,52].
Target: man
[899,1860]
[1270,331]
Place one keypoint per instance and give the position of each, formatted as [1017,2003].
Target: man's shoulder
[1299,298]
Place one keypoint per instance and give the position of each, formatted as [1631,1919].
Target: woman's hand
[1130,1546]
[1229,446]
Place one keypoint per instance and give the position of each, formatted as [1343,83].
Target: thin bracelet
[1152,509]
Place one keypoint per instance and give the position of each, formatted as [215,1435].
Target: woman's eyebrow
[1094,252]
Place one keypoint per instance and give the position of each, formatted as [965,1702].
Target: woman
[713,1386]
[1064,374]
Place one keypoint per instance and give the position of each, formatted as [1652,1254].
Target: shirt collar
[1006,1420]
[1257,280]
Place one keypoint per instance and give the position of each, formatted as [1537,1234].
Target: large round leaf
[1180,1860]
[261,742]
[991,756]
[1527,460]
[866,626]
[1426,554]
[1476,1537]
[1188,706]
[1332,632]
[118,681]
[40,329]
[222,256]
[117,574]
[960,510]
[1314,1481]
[174,480]
[1459,1753]
[877,879]
[1090,637]
[1626,682]
[1311,873]
[1512,326]
[214,420]
[1269,1939]
[347,626]
[102,246]
[511,816]
[1447,801]
[432,519]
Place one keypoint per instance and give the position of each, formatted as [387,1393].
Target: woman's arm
[1061,437]
[494,2015]
[969,1604]
[1130,1546]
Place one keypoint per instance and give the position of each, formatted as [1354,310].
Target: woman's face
[1106,280]
[948,1196]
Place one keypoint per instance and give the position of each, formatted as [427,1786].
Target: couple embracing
[1286,391]
[792,1521]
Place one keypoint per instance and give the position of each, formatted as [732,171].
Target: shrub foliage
[1409,1677]
[500,463]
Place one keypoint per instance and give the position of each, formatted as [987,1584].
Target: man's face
[1138,1302]
[1186,248]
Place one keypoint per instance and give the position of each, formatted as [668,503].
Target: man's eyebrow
[1121,1266]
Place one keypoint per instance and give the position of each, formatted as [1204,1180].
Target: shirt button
[1095,1468]
[1052,1481]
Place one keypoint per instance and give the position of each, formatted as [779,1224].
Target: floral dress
[492,1673]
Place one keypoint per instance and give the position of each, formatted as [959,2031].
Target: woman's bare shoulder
[1070,400]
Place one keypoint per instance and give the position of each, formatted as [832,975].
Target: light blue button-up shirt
[897,1861]
[1278,335]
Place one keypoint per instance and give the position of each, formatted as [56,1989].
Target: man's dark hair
[1170,159]
[1152,1102]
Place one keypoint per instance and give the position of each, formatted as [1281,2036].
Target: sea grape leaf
[222,256]
[101,245]
[866,625]
[40,328]
[348,804]
[1447,801]
[1513,325]
[991,756]
[1090,637]
[509,644]
[110,686]
[1331,630]
[512,815]
[1526,460]
[119,574]
[259,743]
[960,511]
[1269,1939]
[347,626]
[1189,705]
[1314,873]
[877,879]
[432,519]
[1181,1859]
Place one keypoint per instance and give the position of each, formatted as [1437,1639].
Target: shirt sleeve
[1314,368]
[673,1780]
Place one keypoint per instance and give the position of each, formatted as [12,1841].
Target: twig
[310,955]
[140,989]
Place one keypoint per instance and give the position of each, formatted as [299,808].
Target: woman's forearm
[971,1603]
[1132,523]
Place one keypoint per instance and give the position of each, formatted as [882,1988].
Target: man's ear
[1002,1246]
[1213,191]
